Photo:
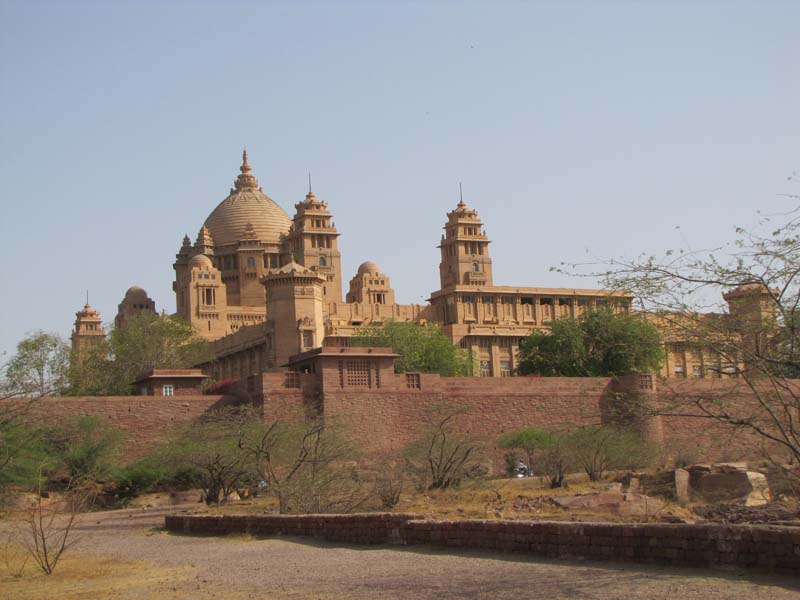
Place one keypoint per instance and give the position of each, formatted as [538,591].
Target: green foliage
[142,475]
[147,342]
[527,439]
[39,368]
[597,344]
[22,453]
[84,448]
[210,451]
[599,448]
[442,456]
[422,348]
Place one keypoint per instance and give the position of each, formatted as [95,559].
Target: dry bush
[47,529]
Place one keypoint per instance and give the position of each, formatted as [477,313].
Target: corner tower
[465,250]
[294,310]
[313,243]
[88,333]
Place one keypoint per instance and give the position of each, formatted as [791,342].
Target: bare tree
[48,526]
[306,464]
[442,456]
[738,306]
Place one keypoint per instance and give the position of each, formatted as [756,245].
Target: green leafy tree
[527,439]
[39,368]
[421,348]
[147,342]
[597,344]
[84,448]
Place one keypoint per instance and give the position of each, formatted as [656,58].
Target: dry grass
[79,577]
[486,499]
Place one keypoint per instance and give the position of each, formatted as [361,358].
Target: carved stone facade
[262,286]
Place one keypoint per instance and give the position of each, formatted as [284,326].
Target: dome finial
[246,180]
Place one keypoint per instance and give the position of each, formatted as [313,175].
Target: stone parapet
[699,545]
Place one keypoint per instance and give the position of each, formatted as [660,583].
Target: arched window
[476,268]
[323,262]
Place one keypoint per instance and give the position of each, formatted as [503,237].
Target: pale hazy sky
[574,126]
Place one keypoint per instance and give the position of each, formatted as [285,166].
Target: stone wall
[146,421]
[707,545]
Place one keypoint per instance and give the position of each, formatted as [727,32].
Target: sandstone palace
[262,286]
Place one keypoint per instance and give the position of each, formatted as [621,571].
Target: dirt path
[236,567]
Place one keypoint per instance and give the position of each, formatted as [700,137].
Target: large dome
[247,204]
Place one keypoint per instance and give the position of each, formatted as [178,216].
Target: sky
[578,130]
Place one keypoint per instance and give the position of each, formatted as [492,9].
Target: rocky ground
[124,554]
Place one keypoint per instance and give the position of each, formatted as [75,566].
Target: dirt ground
[125,555]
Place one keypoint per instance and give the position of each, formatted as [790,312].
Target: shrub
[84,448]
[599,448]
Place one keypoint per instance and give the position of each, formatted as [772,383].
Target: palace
[262,286]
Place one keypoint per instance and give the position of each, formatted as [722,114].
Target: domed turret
[201,261]
[368,267]
[247,203]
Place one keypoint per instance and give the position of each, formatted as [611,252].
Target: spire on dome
[204,239]
[246,180]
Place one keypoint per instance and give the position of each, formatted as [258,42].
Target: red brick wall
[709,545]
[146,421]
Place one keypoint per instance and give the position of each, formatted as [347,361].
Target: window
[486,368]
[679,372]
[358,373]
[697,371]
[251,262]
[505,368]
[413,381]
[487,299]
[323,262]
[508,299]
[526,300]
[467,298]
[308,339]
[564,302]
[168,390]
[476,267]
[546,301]
[208,296]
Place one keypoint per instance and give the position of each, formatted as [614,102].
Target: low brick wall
[709,545]
[369,528]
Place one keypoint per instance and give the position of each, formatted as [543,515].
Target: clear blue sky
[596,126]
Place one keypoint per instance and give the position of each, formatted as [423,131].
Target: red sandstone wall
[146,421]
[708,545]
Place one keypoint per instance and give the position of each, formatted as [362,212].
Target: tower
[88,333]
[313,243]
[136,301]
[465,250]
[294,310]
[203,302]
[370,286]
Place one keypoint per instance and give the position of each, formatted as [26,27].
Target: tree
[210,449]
[752,339]
[442,456]
[85,448]
[527,439]
[39,368]
[599,448]
[597,344]
[421,348]
[147,342]
[306,464]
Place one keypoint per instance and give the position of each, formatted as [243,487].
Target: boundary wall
[146,421]
[700,545]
